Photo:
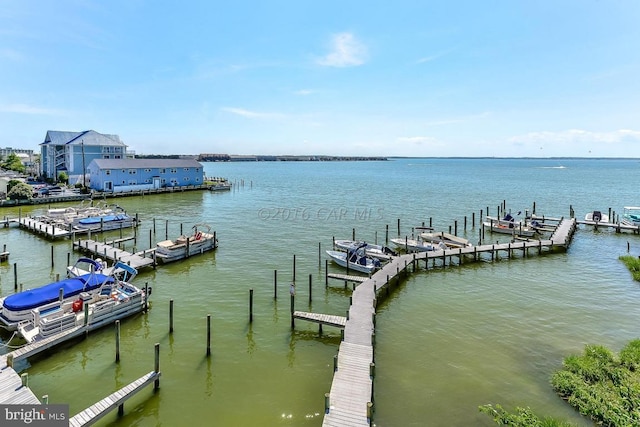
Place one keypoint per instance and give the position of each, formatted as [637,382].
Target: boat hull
[340,258]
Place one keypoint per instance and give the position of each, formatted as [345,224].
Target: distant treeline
[258,158]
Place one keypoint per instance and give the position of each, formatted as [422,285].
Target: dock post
[156,368]
[326,273]
[52,263]
[60,294]
[275,284]
[319,256]
[10,360]
[25,379]
[166,229]
[150,244]
[326,403]
[68,258]
[45,399]
[15,276]
[353,234]
[251,305]
[386,236]
[455,227]
[117,341]
[398,226]
[370,412]
[310,280]
[335,362]
[292,291]
[473,220]
[208,335]
[146,296]
[294,268]
[171,316]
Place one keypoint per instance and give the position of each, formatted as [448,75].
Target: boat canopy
[46,294]
[97,265]
[103,218]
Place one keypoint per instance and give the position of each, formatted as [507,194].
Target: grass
[598,383]
[633,264]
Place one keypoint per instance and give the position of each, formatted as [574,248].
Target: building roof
[87,137]
[145,163]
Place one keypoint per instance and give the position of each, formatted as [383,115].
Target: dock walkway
[12,389]
[109,252]
[98,410]
[350,401]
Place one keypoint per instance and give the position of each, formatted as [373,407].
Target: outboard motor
[597,216]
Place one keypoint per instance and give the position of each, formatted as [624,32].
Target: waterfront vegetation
[633,264]
[598,384]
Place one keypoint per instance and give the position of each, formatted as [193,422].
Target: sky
[497,78]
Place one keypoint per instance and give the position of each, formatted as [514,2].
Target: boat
[114,300]
[112,218]
[418,244]
[355,259]
[373,250]
[596,216]
[631,216]
[452,241]
[220,185]
[201,240]
[18,307]
[508,225]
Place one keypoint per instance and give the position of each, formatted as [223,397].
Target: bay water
[447,340]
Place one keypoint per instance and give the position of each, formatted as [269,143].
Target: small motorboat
[412,244]
[596,216]
[355,259]
[452,241]
[373,250]
[508,225]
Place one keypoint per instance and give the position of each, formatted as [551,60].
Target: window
[133,171]
[147,170]
[185,169]
[162,170]
[107,172]
[174,170]
[133,182]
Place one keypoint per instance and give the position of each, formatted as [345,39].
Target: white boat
[417,245]
[596,216]
[508,225]
[452,241]
[355,259]
[113,218]
[18,307]
[373,250]
[115,300]
[201,240]
[631,216]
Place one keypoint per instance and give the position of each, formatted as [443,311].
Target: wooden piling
[156,366]
[310,288]
[275,284]
[52,261]
[250,305]
[208,335]
[171,316]
[117,341]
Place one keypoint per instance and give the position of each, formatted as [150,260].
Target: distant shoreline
[326,158]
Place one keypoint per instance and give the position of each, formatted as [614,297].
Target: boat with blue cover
[115,299]
[17,307]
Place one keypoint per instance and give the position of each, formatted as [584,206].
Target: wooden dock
[350,401]
[109,252]
[13,390]
[98,410]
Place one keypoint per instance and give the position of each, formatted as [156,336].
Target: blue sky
[403,78]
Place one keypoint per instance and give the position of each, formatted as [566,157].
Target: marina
[417,312]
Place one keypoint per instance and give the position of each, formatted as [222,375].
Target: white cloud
[346,51]
[304,92]
[252,114]
[30,109]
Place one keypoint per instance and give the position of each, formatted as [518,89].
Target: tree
[63,177]
[20,191]
[13,162]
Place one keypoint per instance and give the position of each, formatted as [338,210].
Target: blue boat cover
[105,218]
[46,294]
